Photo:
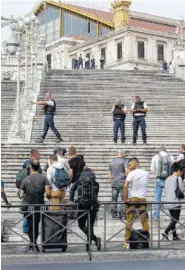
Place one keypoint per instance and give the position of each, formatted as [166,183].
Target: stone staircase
[8,97]
[84,100]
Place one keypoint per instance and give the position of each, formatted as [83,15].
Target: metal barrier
[111,230]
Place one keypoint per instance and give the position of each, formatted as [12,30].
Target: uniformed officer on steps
[119,111]
[49,110]
[139,110]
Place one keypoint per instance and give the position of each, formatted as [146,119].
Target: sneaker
[59,140]
[41,140]
[123,141]
[8,205]
[115,141]
[134,142]
[176,238]
[165,236]
[27,249]
[98,243]
[125,245]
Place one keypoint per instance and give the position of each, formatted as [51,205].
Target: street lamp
[18,56]
[12,45]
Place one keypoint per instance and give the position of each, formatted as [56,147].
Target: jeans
[83,224]
[73,191]
[80,65]
[175,214]
[119,124]
[102,65]
[49,123]
[159,185]
[139,121]
[33,231]
[25,226]
[116,191]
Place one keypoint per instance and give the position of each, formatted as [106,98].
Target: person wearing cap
[160,182]
[49,110]
[119,112]
[139,110]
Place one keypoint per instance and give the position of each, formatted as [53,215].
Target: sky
[166,8]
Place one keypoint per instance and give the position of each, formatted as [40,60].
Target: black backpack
[87,188]
[182,162]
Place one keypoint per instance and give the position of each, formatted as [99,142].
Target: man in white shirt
[137,182]
[49,110]
[161,167]
[139,110]
[119,111]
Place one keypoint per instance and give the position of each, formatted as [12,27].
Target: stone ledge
[101,256]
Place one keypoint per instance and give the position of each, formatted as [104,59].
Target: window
[160,52]
[141,50]
[89,28]
[103,53]
[119,51]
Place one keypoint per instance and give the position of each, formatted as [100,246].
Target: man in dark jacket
[49,110]
[119,111]
[139,110]
[88,205]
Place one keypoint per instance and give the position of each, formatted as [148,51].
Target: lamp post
[18,56]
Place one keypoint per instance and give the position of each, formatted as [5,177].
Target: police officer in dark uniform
[49,110]
[119,111]
[139,110]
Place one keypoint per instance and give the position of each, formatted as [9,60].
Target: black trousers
[84,223]
[175,215]
[49,123]
[139,121]
[33,227]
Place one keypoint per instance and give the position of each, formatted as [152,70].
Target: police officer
[139,110]
[49,110]
[119,111]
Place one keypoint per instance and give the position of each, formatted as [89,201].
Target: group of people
[57,176]
[131,182]
[139,110]
[87,63]
[127,180]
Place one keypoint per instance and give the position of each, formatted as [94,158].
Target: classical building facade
[125,38]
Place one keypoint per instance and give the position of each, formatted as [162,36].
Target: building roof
[136,19]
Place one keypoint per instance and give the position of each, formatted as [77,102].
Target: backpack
[182,162]
[20,176]
[61,178]
[87,188]
[164,167]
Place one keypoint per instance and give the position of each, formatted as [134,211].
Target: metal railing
[111,231]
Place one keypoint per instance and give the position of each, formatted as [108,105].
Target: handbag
[179,194]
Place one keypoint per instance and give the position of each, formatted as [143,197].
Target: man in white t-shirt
[165,161]
[49,110]
[137,183]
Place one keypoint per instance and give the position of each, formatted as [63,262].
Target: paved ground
[131,265]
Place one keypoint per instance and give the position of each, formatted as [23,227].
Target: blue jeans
[116,191]
[25,225]
[158,195]
[49,123]
[139,121]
